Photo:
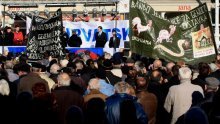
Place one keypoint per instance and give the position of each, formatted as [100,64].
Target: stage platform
[98,51]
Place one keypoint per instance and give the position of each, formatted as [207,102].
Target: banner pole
[217,23]
[3,26]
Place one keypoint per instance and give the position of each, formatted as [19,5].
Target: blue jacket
[113,108]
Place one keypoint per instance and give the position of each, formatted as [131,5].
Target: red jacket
[18,38]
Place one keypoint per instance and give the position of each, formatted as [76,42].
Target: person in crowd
[43,106]
[105,87]
[63,63]
[9,36]
[114,108]
[100,37]
[155,86]
[27,82]
[117,68]
[180,96]
[110,77]
[18,36]
[74,40]
[66,96]
[95,111]
[211,87]
[54,72]
[74,115]
[204,71]
[195,115]
[94,87]
[114,41]
[64,38]
[44,75]
[9,68]
[147,100]
[216,74]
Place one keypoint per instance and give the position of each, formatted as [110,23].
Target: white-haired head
[4,88]
[123,87]
[54,69]
[63,79]
[94,84]
[136,21]
[64,63]
[185,73]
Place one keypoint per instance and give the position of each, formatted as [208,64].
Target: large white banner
[86,30]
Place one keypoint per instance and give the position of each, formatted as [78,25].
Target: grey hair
[64,79]
[4,88]
[185,73]
[94,84]
[122,87]
[54,69]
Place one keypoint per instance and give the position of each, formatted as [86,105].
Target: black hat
[36,65]
[107,64]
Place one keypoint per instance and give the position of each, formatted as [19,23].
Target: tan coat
[94,94]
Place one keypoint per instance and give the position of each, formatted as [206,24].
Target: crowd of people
[114,89]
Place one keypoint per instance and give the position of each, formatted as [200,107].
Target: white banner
[86,30]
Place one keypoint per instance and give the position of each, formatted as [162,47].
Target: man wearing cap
[27,82]
[211,87]
[74,40]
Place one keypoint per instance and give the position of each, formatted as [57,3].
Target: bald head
[156,76]
[169,66]
[157,64]
[64,79]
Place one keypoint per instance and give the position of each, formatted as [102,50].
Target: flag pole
[217,23]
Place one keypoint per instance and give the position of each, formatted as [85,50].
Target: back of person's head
[185,73]
[94,84]
[63,63]
[4,87]
[54,69]
[175,70]
[63,79]
[156,76]
[139,65]
[169,66]
[100,73]
[79,64]
[74,115]
[94,112]
[123,87]
[23,58]
[22,67]
[157,64]
[197,98]
[128,112]
[211,84]
[141,84]
[9,65]
[204,69]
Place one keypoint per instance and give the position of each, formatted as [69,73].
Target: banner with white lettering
[187,37]
[86,31]
[44,37]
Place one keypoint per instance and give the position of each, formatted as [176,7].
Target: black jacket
[8,39]
[74,41]
[64,39]
[111,42]
[100,40]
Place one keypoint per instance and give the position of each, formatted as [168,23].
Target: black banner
[44,37]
